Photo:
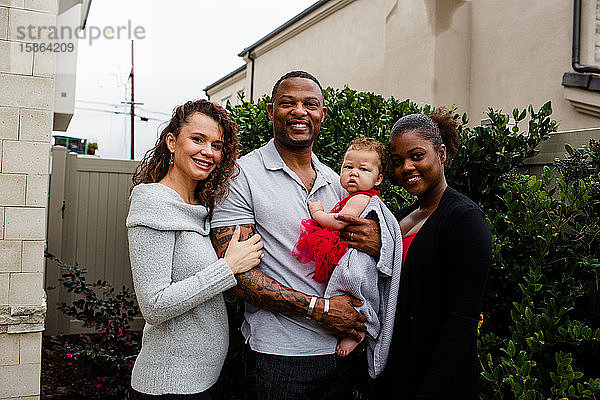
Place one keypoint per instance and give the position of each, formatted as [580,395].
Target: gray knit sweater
[178,282]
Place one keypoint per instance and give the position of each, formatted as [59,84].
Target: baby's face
[360,171]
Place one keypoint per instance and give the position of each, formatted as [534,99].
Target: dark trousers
[272,377]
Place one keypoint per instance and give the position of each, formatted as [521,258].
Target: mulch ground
[61,377]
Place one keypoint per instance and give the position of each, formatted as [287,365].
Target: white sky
[188,45]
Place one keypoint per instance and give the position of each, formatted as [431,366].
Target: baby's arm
[355,206]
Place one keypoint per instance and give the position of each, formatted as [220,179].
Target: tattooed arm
[259,289]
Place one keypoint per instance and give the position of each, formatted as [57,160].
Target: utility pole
[132,103]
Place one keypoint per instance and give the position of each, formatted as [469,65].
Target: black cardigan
[434,351]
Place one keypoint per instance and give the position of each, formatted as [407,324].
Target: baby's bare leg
[347,344]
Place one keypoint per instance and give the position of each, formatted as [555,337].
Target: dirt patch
[63,376]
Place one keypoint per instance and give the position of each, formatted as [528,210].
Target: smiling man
[289,327]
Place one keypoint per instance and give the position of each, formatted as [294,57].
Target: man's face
[297,111]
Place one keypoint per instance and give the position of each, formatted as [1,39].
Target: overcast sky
[188,44]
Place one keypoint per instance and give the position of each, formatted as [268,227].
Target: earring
[171,161]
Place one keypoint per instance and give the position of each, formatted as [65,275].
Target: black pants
[327,377]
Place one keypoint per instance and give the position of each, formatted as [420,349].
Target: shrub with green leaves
[488,152]
[108,356]
[541,335]
[544,343]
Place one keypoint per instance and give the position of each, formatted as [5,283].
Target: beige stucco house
[472,53]
[34,100]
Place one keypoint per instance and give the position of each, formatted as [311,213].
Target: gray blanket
[375,283]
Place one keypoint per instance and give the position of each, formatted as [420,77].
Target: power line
[154,112]
[97,110]
[98,102]
[123,105]
[119,112]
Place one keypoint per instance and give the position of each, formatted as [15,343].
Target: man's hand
[362,234]
[259,289]
[343,319]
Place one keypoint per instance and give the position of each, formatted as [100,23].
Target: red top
[406,242]
[338,207]
[323,245]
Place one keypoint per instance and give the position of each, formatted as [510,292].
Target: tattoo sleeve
[256,287]
[221,236]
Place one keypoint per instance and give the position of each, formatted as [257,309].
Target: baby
[363,169]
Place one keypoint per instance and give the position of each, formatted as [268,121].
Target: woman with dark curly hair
[447,255]
[178,278]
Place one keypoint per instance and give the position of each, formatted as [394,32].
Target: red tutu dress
[323,245]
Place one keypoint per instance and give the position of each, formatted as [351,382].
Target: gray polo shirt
[270,195]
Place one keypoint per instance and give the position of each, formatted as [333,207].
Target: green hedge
[541,336]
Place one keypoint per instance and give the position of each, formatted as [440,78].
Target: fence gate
[87,209]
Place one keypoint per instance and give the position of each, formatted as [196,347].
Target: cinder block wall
[26,95]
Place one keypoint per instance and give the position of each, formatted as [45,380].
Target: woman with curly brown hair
[178,278]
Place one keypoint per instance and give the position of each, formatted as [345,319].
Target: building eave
[303,21]
[231,77]
[283,27]
[64,5]
[86,5]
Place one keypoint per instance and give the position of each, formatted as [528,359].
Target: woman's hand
[362,234]
[242,256]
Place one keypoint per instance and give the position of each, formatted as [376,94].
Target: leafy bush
[542,343]
[109,356]
[488,152]
[541,333]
